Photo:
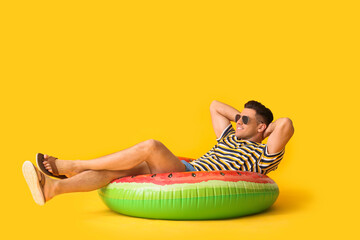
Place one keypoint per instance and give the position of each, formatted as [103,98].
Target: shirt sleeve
[227,131]
[270,162]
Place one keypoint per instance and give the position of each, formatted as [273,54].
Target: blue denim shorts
[188,166]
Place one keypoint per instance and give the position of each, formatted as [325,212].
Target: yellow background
[84,79]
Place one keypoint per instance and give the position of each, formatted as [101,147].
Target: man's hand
[268,130]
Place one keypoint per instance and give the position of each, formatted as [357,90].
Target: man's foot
[41,186]
[64,167]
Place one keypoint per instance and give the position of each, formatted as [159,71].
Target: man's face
[247,131]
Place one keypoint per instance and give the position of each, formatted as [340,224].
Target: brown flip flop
[51,160]
[35,183]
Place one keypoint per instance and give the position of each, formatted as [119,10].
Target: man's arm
[279,133]
[221,115]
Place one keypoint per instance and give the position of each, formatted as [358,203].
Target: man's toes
[47,166]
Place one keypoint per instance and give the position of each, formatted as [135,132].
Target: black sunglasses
[245,119]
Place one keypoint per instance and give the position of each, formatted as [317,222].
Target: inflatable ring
[191,195]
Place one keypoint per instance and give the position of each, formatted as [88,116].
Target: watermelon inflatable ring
[191,195]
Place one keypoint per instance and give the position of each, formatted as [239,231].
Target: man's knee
[152,145]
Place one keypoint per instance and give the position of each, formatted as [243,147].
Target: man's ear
[262,127]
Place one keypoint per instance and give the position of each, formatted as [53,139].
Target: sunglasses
[245,119]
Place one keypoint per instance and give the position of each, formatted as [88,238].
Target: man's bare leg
[88,180]
[158,158]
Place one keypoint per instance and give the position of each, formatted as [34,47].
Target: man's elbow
[287,125]
[213,104]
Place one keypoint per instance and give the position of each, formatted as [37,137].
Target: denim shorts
[188,166]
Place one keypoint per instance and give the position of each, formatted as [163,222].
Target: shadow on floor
[290,200]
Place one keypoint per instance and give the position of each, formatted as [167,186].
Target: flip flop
[35,184]
[39,161]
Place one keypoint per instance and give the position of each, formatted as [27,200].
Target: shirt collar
[246,142]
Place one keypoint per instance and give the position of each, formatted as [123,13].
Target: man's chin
[238,136]
[241,137]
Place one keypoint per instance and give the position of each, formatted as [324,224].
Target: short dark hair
[261,110]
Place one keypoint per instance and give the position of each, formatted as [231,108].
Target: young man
[239,149]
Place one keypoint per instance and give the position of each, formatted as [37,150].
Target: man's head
[253,121]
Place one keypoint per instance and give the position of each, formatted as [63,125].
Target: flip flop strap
[42,179]
[51,161]
[42,184]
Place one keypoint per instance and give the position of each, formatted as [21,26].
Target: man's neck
[257,139]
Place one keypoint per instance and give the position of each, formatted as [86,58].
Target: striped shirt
[231,153]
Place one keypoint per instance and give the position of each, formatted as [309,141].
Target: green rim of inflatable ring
[191,195]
